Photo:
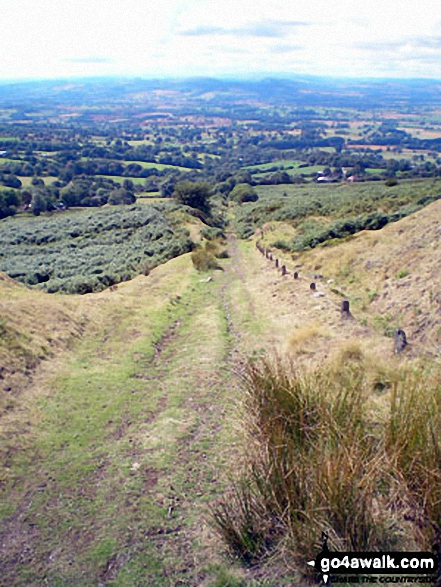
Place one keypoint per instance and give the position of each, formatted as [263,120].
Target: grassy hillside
[81,252]
[33,328]
[323,212]
[391,276]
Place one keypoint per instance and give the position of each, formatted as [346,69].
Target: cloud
[202,31]
[409,44]
[428,42]
[282,48]
[380,46]
[268,29]
[412,54]
[89,60]
[236,51]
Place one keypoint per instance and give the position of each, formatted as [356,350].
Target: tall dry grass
[413,442]
[319,461]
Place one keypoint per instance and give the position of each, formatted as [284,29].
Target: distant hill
[302,91]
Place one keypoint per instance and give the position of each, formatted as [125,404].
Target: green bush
[9,203]
[212,233]
[203,259]
[243,192]
[195,194]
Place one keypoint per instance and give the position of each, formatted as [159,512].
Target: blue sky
[351,38]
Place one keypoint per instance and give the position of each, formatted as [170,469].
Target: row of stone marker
[284,271]
[269,256]
[400,340]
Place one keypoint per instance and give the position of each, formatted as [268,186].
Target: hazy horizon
[226,77]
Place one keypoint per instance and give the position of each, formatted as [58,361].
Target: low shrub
[212,233]
[79,252]
[204,259]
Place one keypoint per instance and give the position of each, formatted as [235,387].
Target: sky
[50,39]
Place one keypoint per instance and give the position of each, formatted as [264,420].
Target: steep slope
[33,328]
[392,276]
[114,451]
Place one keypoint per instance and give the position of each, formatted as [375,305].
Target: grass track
[131,437]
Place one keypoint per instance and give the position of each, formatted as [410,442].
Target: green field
[293,165]
[281,163]
[146,165]
[159,166]
[120,179]
[27,181]
[375,170]
[137,143]
[148,197]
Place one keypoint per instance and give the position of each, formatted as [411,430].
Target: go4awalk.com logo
[409,567]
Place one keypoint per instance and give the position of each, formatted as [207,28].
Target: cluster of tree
[305,143]
[96,192]
[366,160]
[388,135]
[30,166]
[84,192]
[195,195]
[10,180]
[10,202]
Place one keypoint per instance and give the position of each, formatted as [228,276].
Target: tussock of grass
[320,462]
[314,466]
[378,376]
[351,351]
[304,338]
